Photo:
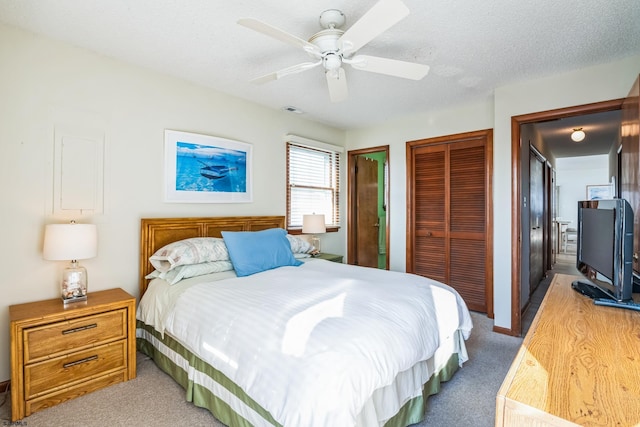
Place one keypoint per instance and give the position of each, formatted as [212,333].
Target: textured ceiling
[472,46]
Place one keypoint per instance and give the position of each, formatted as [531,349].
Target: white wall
[44,83]
[573,174]
[593,84]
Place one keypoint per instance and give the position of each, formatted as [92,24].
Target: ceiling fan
[333,47]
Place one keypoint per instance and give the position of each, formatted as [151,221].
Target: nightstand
[329,257]
[61,352]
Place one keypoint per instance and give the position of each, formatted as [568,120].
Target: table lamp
[71,242]
[314,224]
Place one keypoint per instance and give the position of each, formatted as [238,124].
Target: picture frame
[206,169]
[599,192]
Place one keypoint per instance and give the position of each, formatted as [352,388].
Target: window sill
[298,230]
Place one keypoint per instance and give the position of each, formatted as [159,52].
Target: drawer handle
[81,328]
[78,362]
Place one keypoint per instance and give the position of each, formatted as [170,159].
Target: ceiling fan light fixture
[577,135]
[332,61]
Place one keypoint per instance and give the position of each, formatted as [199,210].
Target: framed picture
[599,192]
[206,169]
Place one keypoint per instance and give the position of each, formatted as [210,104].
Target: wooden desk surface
[578,365]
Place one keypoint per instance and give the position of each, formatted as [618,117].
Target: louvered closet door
[467,234]
[449,219]
[430,231]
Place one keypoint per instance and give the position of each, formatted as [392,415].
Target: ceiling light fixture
[577,135]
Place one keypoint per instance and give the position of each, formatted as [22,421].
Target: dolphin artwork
[215,171]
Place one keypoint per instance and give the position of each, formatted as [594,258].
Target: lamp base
[74,300]
[315,241]
[74,283]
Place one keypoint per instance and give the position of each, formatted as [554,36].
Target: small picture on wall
[206,169]
[599,192]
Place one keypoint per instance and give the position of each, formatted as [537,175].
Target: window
[313,182]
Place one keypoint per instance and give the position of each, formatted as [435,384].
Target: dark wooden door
[430,211]
[367,221]
[536,221]
[449,215]
[630,159]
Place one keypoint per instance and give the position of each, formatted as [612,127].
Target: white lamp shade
[313,224]
[70,241]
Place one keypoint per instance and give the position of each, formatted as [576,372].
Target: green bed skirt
[182,365]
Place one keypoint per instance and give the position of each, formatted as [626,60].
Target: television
[605,252]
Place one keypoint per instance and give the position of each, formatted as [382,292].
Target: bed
[307,343]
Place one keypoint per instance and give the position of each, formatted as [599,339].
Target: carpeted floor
[154,399]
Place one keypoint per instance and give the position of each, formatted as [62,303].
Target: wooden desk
[579,364]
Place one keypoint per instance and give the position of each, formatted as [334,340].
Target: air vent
[291,109]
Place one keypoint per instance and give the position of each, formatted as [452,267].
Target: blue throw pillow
[255,251]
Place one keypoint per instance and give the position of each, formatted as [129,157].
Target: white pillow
[301,256]
[191,270]
[196,250]
[299,245]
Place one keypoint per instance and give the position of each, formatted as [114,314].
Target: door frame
[352,242]
[516,196]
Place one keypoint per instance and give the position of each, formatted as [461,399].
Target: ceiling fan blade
[285,72]
[382,16]
[391,67]
[279,34]
[337,83]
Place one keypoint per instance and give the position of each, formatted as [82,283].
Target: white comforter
[312,343]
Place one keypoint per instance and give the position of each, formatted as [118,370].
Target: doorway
[521,251]
[368,207]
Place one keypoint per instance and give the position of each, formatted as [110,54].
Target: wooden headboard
[158,232]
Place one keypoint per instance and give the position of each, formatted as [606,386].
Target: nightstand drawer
[77,367]
[45,342]
[51,399]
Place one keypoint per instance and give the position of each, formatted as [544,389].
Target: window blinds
[313,183]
